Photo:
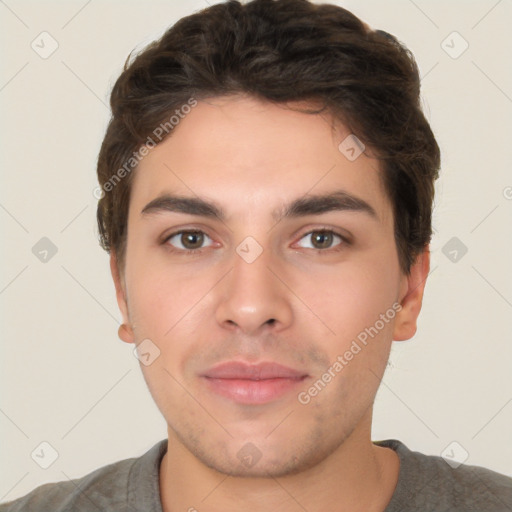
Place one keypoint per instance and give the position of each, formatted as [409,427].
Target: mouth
[252,384]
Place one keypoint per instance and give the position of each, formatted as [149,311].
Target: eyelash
[196,252]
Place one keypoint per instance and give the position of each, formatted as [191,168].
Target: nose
[253,297]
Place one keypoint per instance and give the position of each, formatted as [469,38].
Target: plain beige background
[66,378]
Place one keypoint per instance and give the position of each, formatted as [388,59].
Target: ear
[125,330]
[411,297]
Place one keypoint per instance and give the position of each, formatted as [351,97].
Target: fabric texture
[426,483]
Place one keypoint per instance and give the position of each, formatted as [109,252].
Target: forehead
[250,155]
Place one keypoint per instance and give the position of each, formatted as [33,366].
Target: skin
[251,157]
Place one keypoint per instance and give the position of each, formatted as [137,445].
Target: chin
[262,458]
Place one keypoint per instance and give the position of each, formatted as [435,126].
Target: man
[267,182]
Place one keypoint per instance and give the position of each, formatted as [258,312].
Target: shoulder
[428,482]
[109,488]
[95,491]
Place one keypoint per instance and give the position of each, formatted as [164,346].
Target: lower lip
[253,391]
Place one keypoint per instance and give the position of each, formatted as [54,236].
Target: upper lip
[245,371]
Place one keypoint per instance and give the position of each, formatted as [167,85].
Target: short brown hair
[279,51]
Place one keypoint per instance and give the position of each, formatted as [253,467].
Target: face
[265,314]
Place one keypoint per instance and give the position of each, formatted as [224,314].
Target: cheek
[150,300]
[167,303]
[149,285]
[352,296]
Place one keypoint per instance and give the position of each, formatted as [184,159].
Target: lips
[262,371]
[252,384]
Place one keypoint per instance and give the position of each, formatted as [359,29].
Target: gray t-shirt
[425,483]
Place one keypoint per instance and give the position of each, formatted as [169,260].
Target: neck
[358,476]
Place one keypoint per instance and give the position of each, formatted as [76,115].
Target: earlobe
[125,331]
[411,300]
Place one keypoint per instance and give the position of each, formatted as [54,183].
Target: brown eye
[187,240]
[322,239]
[192,240]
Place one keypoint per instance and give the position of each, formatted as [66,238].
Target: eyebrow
[338,200]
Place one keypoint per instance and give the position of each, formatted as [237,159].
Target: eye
[188,241]
[323,239]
